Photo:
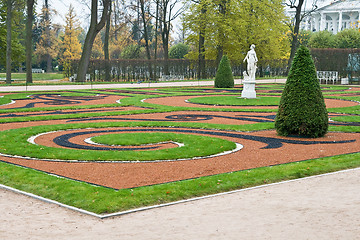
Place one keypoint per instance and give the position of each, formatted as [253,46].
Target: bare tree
[157,2]
[106,47]
[203,6]
[9,9]
[145,22]
[299,16]
[201,58]
[47,33]
[223,4]
[28,40]
[94,29]
[168,12]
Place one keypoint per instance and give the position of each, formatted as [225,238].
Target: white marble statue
[252,60]
[249,76]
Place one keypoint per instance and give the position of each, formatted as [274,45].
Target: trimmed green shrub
[322,39]
[302,109]
[178,51]
[224,77]
[348,38]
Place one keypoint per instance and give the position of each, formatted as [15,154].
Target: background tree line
[347,38]
[142,29]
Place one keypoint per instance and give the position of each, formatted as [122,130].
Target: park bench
[73,78]
[171,77]
[327,76]
[37,70]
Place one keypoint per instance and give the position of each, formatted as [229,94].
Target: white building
[333,16]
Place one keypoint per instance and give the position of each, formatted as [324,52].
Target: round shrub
[348,38]
[302,109]
[179,51]
[322,39]
[224,77]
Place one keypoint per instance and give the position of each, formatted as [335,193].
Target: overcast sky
[62,8]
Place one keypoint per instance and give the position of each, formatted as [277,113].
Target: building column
[322,21]
[307,23]
[340,22]
[316,23]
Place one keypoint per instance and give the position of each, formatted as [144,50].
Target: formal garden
[112,150]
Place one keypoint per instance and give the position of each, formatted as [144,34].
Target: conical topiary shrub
[224,77]
[302,109]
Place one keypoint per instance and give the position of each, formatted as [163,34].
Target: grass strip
[347,118]
[6,99]
[21,147]
[35,76]
[194,146]
[236,101]
[103,200]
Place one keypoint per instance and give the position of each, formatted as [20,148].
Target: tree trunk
[146,37]
[106,48]
[294,41]
[8,40]
[220,47]
[47,32]
[94,29]
[201,58]
[115,18]
[28,41]
[165,40]
[156,29]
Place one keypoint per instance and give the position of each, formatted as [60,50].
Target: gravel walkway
[325,207]
[125,85]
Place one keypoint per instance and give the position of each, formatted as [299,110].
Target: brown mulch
[75,101]
[180,101]
[128,175]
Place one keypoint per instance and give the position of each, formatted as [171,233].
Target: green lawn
[36,76]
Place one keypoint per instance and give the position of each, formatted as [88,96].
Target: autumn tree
[106,46]
[145,20]
[197,20]
[71,45]
[47,47]
[300,14]
[240,24]
[119,42]
[120,29]
[9,9]
[169,10]
[11,27]
[97,51]
[28,39]
[94,28]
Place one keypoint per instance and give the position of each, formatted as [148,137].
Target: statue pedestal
[248,89]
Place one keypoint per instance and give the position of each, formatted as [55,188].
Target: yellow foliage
[244,23]
[98,48]
[71,46]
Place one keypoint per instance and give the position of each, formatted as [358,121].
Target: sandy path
[325,207]
[123,85]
